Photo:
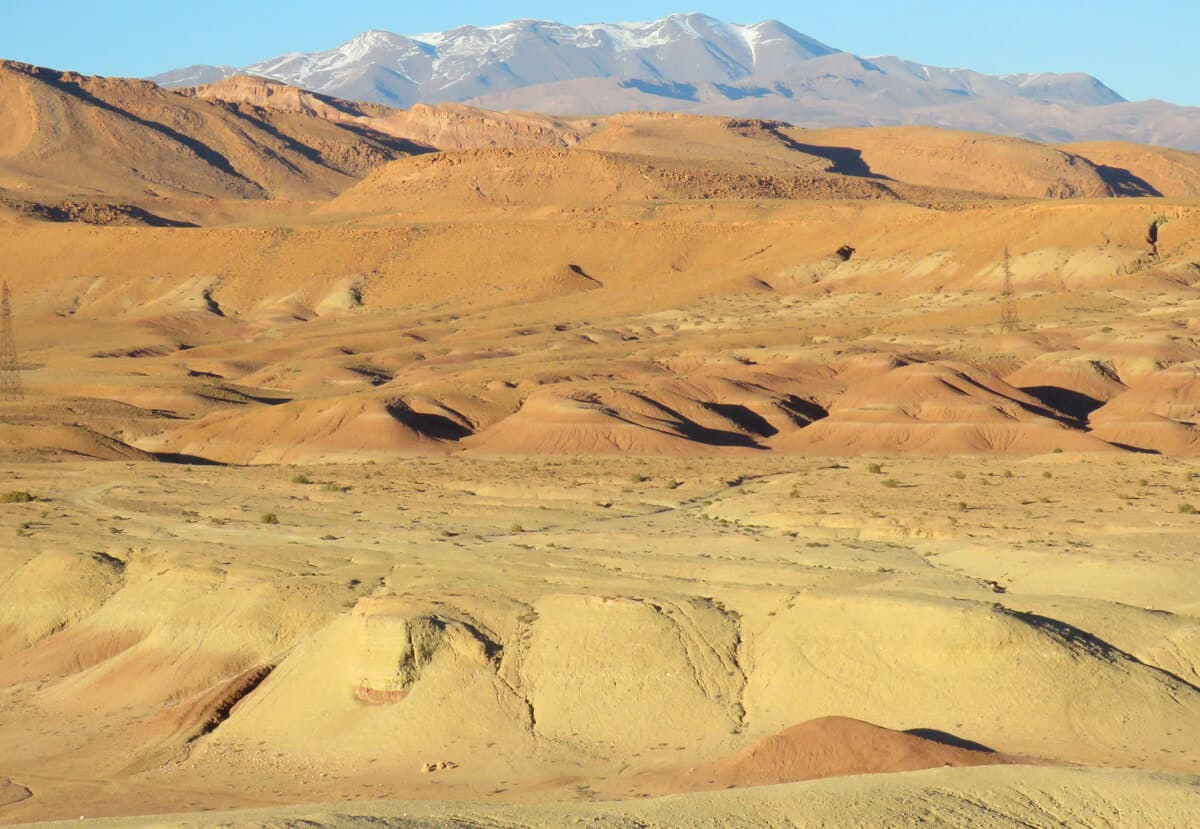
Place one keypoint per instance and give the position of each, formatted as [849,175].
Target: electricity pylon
[10,369]
[1008,305]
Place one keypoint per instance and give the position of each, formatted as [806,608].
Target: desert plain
[449,467]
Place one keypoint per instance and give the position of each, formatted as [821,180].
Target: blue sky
[1146,53]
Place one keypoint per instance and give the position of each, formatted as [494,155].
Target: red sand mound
[23,443]
[621,423]
[308,431]
[1067,382]
[826,747]
[1158,414]
[1072,383]
[938,408]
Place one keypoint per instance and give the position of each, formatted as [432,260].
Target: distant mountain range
[695,63]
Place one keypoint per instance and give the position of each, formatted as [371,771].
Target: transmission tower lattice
[10,369]
[1008,305]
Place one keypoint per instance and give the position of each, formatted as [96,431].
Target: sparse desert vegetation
[784,591]
[548,465]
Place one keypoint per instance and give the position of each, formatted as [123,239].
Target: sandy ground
[570,629]
[940,798]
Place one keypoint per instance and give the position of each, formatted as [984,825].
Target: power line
[10,368]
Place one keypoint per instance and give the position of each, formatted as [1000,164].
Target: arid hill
[109,138]
[446,127]
[393,459]
[1160,171]
[966,161]
[110,142]
[511,283]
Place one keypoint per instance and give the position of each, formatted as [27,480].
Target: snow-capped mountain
[695,63]
[664,56]
[471,62]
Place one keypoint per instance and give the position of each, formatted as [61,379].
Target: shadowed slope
[67,134]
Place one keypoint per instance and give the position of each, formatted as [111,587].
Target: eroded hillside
[460,455]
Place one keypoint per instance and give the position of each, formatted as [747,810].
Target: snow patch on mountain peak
[764,67]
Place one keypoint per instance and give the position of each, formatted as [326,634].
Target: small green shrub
[890,483]
[301,479]
[1187,509]
[270,518]
[17,496]
[959,475]
[875,469]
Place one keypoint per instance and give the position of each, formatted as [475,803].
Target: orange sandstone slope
[444,127]
[926,156]
[590,330]
[349,428]
[1158,413]
[1158,171]
[654,156]
[968,161]
[522,177]
[937,408]
[513,283]
[64,135]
